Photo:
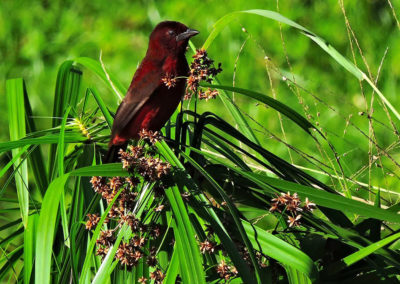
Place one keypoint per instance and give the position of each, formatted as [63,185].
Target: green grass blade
[96,68]
[238,116]
[104,272]
[381,96]
[173,268]
[46,139]
[347,64]
[46,229]
[66,95]
[60,99]
[223,149]
[183,229]
[8,267]
[281,251]
[107,116]
[88,259]
[320,197]
[60,96]
[295,276]
[13,160]
[278,106]
[29,246]
[184,258]
[208,214]
[16,120]
[12,236]
[364,252]
[81,197]
[60,159]
[329,200]
[35,158]
[105,170]
[232,209]
[221,23]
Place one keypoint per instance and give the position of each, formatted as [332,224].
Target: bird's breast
[157,110]
[176,65]
[170,65]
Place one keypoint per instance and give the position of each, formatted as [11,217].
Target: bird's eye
[171,32]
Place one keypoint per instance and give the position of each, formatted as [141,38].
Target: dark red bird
[149,102]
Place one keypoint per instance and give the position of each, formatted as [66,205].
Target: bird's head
[170,37]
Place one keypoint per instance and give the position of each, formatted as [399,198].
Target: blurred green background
[37,36]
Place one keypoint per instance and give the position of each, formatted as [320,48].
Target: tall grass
[219,190]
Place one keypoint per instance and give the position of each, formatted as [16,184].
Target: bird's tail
[112,155]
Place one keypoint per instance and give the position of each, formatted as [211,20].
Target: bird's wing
[145,82]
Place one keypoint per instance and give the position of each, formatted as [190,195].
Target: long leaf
[320,197]
[237,115]
[66,95]
[60,159]
[105,170]
[35,158]
[347,64]
[183,229]
[46,139]
[329,200]
[173,268]
[29,246]
[16,118]
[281,251]
[233,210]
[277,105]
[86,265]
[13,160]
[103,274]
[46,228]
[102,106]
[364,252]
[95,66]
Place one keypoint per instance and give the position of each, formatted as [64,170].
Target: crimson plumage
[149,102]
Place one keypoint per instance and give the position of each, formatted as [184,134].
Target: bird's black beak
[188,34]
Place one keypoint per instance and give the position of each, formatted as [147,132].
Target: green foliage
[224,172]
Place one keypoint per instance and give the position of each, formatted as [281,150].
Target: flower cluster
[208,94]
[201,69]
[157,276]
[150,136]
[108,189]
[128,254]
[226,272]
[169,80]
[208,246]
[92,221]
[122,193]
[106,238]
[244,253]
[293,205]
[151,169]
[131,221]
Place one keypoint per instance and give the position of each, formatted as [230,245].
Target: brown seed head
[169,80]
[106,238]
[201,69]
[207,246]
[150,136]
[92,221]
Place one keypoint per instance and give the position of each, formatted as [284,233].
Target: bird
[149,101]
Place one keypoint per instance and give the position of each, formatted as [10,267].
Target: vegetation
[288,176]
